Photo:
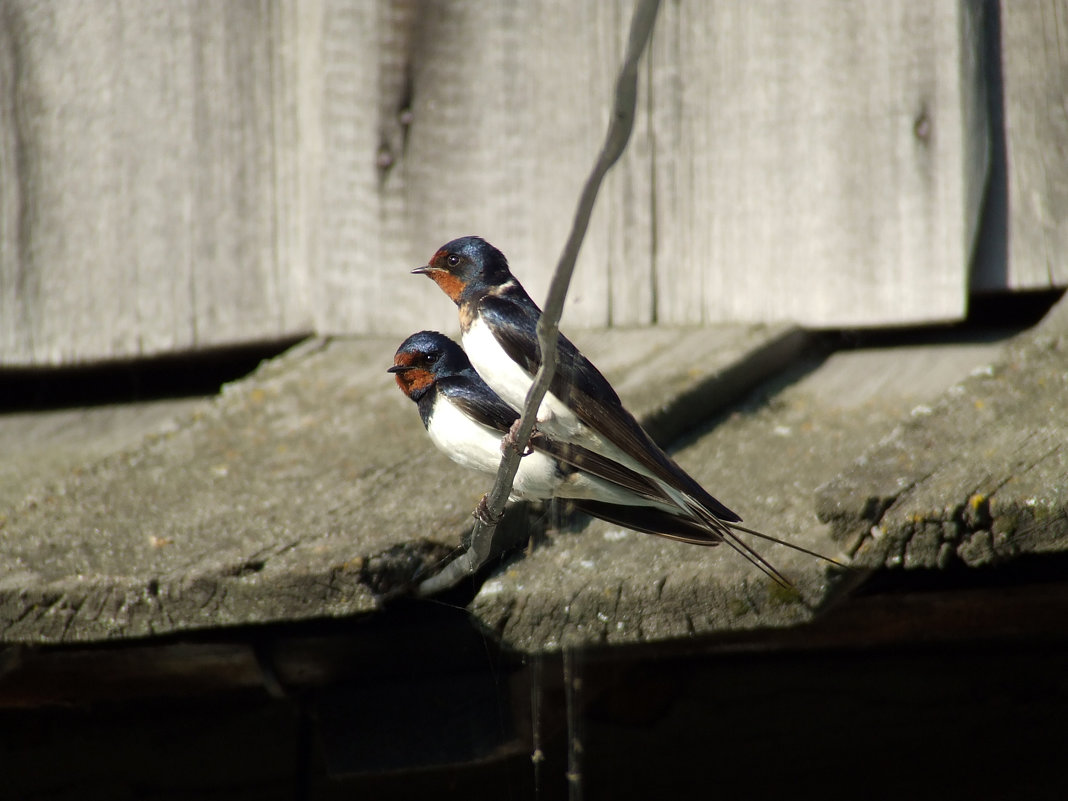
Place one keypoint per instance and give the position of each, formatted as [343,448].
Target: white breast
[462,439]
[512,382]
[474,445]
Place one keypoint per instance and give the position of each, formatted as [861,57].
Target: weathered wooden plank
[300,493]
[765,181]
[358,75]
[138,171]
[977,478]
[817,162]
[311,484]
[38,446]
[176,176]
[765,461]
[1034,62]
[359,654]
[426,140]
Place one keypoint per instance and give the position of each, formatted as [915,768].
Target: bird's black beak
[426,268]
[400,368]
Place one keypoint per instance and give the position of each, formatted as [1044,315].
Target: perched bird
[467,421]
[498,322]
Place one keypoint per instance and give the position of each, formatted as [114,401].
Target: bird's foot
[511,440]
[484,515]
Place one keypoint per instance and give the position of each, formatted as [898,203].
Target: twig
[575,736]
[619,128]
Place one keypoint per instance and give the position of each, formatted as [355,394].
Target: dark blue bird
[467,421]
[498,322]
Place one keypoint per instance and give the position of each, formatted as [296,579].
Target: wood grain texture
[139,172]
[1034,51]
[446,119]
[808,162]
[180,176]
[992,487]
[821,162]
[300,492]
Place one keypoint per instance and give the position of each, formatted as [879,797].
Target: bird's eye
[452,260]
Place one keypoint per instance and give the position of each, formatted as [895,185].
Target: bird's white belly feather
[511,381]
[474,445]
[462,439]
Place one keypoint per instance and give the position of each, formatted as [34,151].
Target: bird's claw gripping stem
[483,514]
[511,440]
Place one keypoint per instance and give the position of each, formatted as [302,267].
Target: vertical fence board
[1034,50]
[180,175]
[822,163]
[497,140]
[139,173]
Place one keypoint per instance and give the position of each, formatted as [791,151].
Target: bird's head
[466,265]
[423,359]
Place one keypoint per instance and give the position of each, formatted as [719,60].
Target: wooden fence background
[176,176]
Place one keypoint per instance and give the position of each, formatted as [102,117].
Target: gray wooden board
[496,141]
[813,163]
[766,460]
[146,180]
[35,447]
[818,162]
[174,177]
[1034,63]
[978,478]
[309,483]
[292,495]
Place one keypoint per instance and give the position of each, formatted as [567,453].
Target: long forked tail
[726,530]
[692,520]
[746,551]
[694,525]
[790,545]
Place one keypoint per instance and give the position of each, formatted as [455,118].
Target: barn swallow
[498,322]
[467,420]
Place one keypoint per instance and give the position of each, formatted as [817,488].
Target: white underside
[512,383]
[474,445]
[507,378]
[555,419]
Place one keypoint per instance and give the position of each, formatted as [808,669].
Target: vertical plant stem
[620,126]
